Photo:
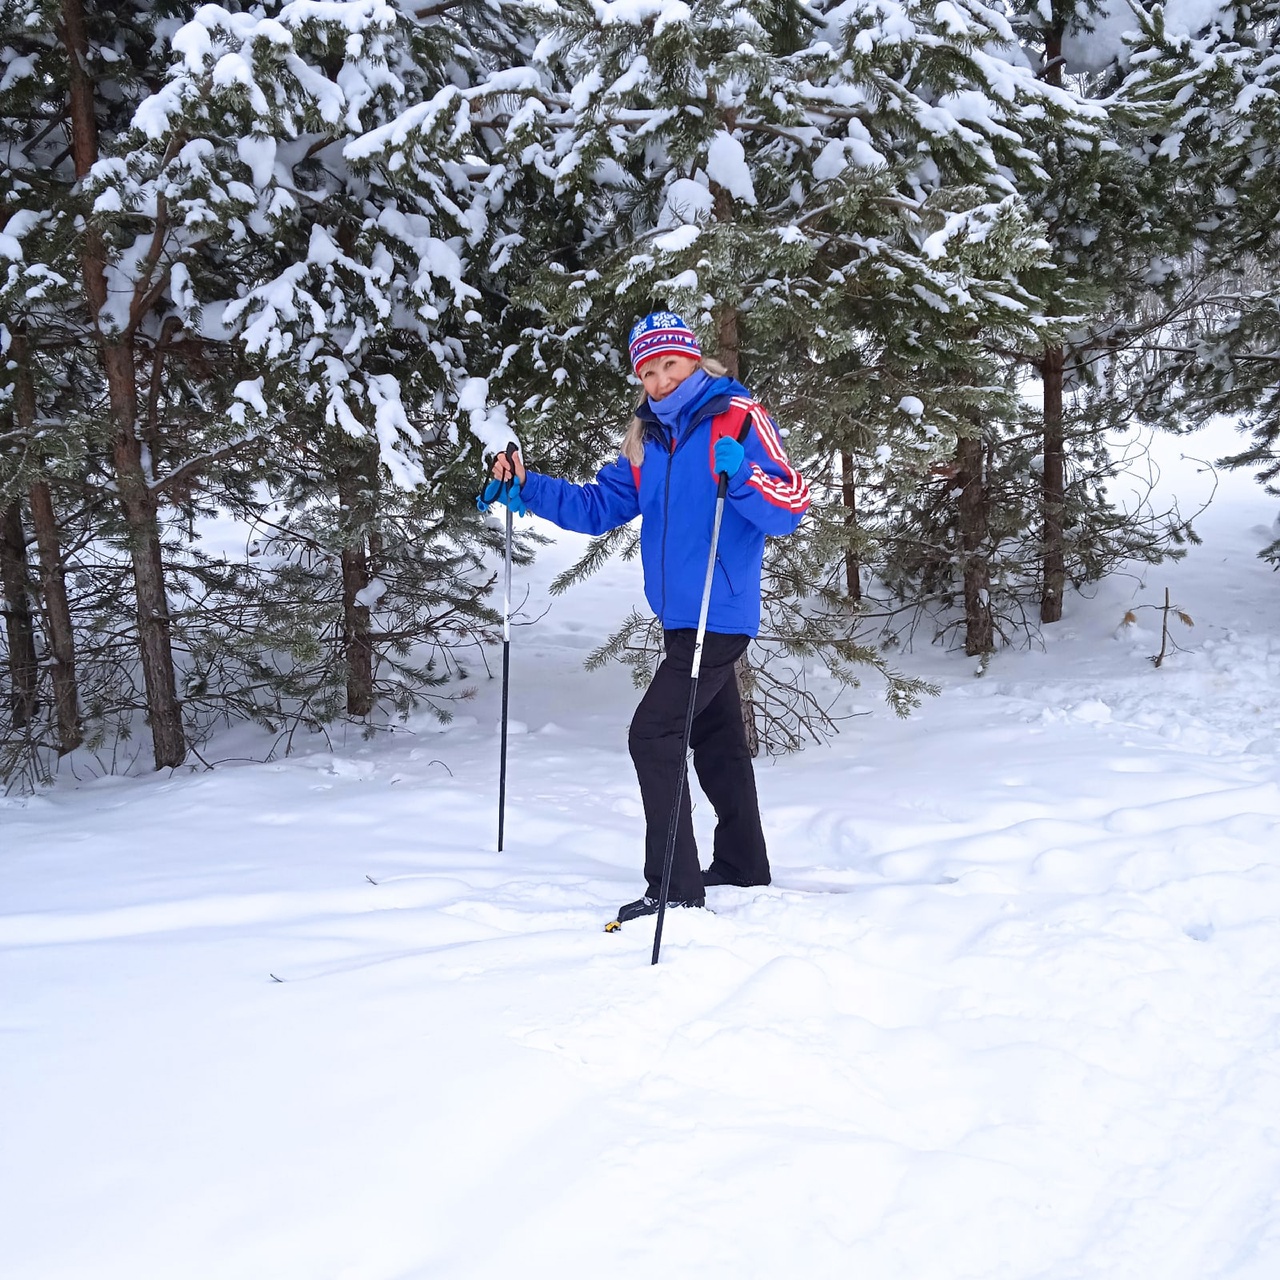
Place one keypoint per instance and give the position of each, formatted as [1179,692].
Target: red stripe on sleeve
[788,490]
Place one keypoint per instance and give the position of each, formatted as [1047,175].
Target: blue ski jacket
[674,490]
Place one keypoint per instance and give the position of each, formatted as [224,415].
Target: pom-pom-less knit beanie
[659,334]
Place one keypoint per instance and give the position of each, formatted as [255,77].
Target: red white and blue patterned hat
[659,334]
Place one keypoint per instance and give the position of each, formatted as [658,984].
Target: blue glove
[728,455]
[505,491]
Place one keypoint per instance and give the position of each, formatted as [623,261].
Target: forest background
[302,266]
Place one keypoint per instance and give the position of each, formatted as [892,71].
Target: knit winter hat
[659,334]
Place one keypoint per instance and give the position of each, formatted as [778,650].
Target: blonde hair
[633,438]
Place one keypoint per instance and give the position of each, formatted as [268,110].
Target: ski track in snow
[1010,1010]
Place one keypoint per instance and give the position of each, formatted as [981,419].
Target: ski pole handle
[509,455]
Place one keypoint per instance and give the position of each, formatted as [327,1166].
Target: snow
[251,393]
[678,240]
[259,154]
[727,166]
[1010,1010]
[192,39]
[108,201]
[839,153]
[685,202]
[682,282]
[391,426]
[369,596]
[674,14]
[21,223]
[1098,42]
[232,69]
[489,423]
[956,111]
[951,20]
[16,68]
[634,12]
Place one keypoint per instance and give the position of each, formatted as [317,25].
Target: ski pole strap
[491,493]
[505,491]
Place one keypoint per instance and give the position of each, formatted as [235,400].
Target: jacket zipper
[672,447]
[666,500]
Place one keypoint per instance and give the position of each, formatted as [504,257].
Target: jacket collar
[718,397]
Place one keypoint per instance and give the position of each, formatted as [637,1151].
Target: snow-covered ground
[1012,1008]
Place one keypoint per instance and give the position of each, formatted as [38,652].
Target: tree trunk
[137,502]
[1053,489]
[53,578]
[849,496]
[84,121]
[979,633]
[1053,478]
[141,513]
[727,342]
[57,616]
[19,625]
[355,496]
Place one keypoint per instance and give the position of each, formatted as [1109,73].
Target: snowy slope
[1010,1010]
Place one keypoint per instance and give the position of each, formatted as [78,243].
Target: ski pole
[722,488]
[506,658]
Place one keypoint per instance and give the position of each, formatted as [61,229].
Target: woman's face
[663,374]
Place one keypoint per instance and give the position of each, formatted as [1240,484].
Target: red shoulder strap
[726,424]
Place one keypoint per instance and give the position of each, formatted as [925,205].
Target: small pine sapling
[1167,641]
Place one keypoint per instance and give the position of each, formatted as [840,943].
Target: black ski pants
[720,757]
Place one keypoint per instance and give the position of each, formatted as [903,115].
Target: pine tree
[53,57]
[1115,228]
[830,195]
[1214,87]
[342,280]
[263,237]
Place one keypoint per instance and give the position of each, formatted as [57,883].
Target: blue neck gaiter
[673,409]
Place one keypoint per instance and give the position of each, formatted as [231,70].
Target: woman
[693,423]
